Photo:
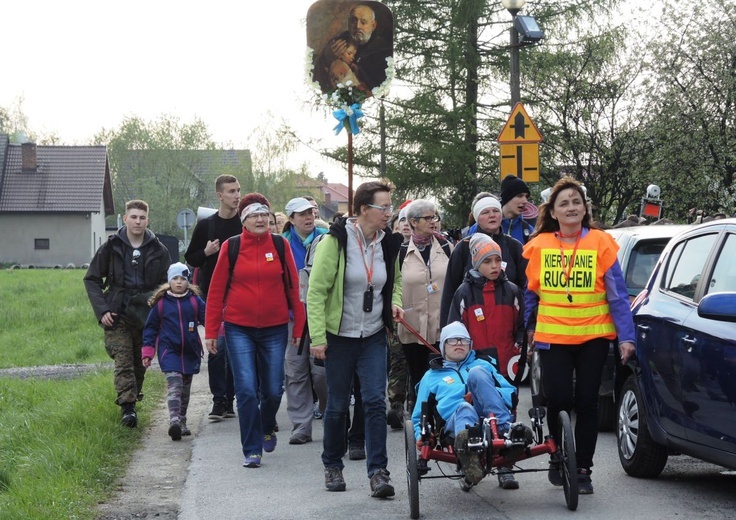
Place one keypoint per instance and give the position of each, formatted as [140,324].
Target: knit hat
[511,186]
[485,202]
[456,329]
[481,247]
[177,269]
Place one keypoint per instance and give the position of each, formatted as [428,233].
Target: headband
[256,207]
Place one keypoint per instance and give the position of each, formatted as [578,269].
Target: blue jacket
[447,384]
[175,335]
[299,247]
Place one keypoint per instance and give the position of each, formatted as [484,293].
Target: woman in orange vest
[576,304]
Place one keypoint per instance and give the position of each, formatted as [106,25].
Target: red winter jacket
[257,296]
[493,312]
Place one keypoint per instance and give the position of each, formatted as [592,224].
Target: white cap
[297,205]
[177,269]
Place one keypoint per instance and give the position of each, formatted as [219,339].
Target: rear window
[643,258]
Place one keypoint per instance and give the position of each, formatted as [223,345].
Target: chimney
[28,151]
[328,199]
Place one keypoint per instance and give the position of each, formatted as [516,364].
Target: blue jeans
[486,400]
[257,359]
[367,358]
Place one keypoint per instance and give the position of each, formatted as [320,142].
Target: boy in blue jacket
[449,380]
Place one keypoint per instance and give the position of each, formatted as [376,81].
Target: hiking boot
[218,411]
[469,461]
[553,474]
[175,430]
[252,461]
[356,452]
[334,480]
[184,430]
[130,419]
[229,411]
[464,484]
[269,442]
[506,479]
[381,484]
[300,438]
[585,486]
[395,416]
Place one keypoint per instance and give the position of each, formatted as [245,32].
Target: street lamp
[524,31]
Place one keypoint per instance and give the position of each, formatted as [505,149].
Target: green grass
[62,448]
[47,319]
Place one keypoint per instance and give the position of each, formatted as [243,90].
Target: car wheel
[640,456]
[535,381]
[606,413]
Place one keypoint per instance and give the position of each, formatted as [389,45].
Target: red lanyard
[567,269]
[359,235]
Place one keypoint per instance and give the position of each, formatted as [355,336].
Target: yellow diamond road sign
[519,128]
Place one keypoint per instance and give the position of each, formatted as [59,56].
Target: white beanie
[456,329]
[485,202]
[177,269]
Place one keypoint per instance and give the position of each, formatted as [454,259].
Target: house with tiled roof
[335,198]
[53,203]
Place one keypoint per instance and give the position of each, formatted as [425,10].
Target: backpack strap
[232,255]
[211,227]
[195,305]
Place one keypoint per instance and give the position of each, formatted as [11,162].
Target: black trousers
[571,378]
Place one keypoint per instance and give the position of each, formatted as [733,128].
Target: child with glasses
[466,388]
[171,329]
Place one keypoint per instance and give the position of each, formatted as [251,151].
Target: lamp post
[513,7]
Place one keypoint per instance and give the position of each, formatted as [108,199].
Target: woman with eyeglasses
[354,296]
[252,300]
[423,262]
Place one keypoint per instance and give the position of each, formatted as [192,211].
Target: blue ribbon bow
[341,115]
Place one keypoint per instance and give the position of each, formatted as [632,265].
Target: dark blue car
[679,393]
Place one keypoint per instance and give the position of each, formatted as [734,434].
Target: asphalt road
[290,484]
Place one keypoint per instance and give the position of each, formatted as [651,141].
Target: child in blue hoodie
[171,329]
[449,380]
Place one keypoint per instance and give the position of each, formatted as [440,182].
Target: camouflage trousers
[123,344]
[179,389]
[398,375]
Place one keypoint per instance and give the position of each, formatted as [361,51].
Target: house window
[42,243]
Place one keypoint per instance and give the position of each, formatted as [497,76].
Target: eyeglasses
[457,341]
[385,209]
[136,257]
[429,218]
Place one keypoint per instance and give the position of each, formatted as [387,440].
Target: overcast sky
[81,65]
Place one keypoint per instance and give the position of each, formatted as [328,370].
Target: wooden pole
[350,169]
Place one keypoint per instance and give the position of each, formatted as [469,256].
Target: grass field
[46,319]
[62,447]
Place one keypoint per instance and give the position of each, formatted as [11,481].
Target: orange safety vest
[556,281]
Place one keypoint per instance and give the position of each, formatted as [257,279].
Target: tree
[693,94]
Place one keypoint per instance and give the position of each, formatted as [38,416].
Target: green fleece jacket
[326,283]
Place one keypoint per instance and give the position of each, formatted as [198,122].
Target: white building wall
[70,238]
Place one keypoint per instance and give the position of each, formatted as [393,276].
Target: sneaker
[585,486]
[469,461]
[381,484]
[334,480]
[553,474]
[506,479]
[130,419]
[356,452]
[175,430]
[395,416]
[300,438]
[464,484]
[269,442]
[229,411]
[218,411]
[184,430]
[316,414]
[252,461]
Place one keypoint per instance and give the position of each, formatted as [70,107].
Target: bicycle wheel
[568,464]
[412,469]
